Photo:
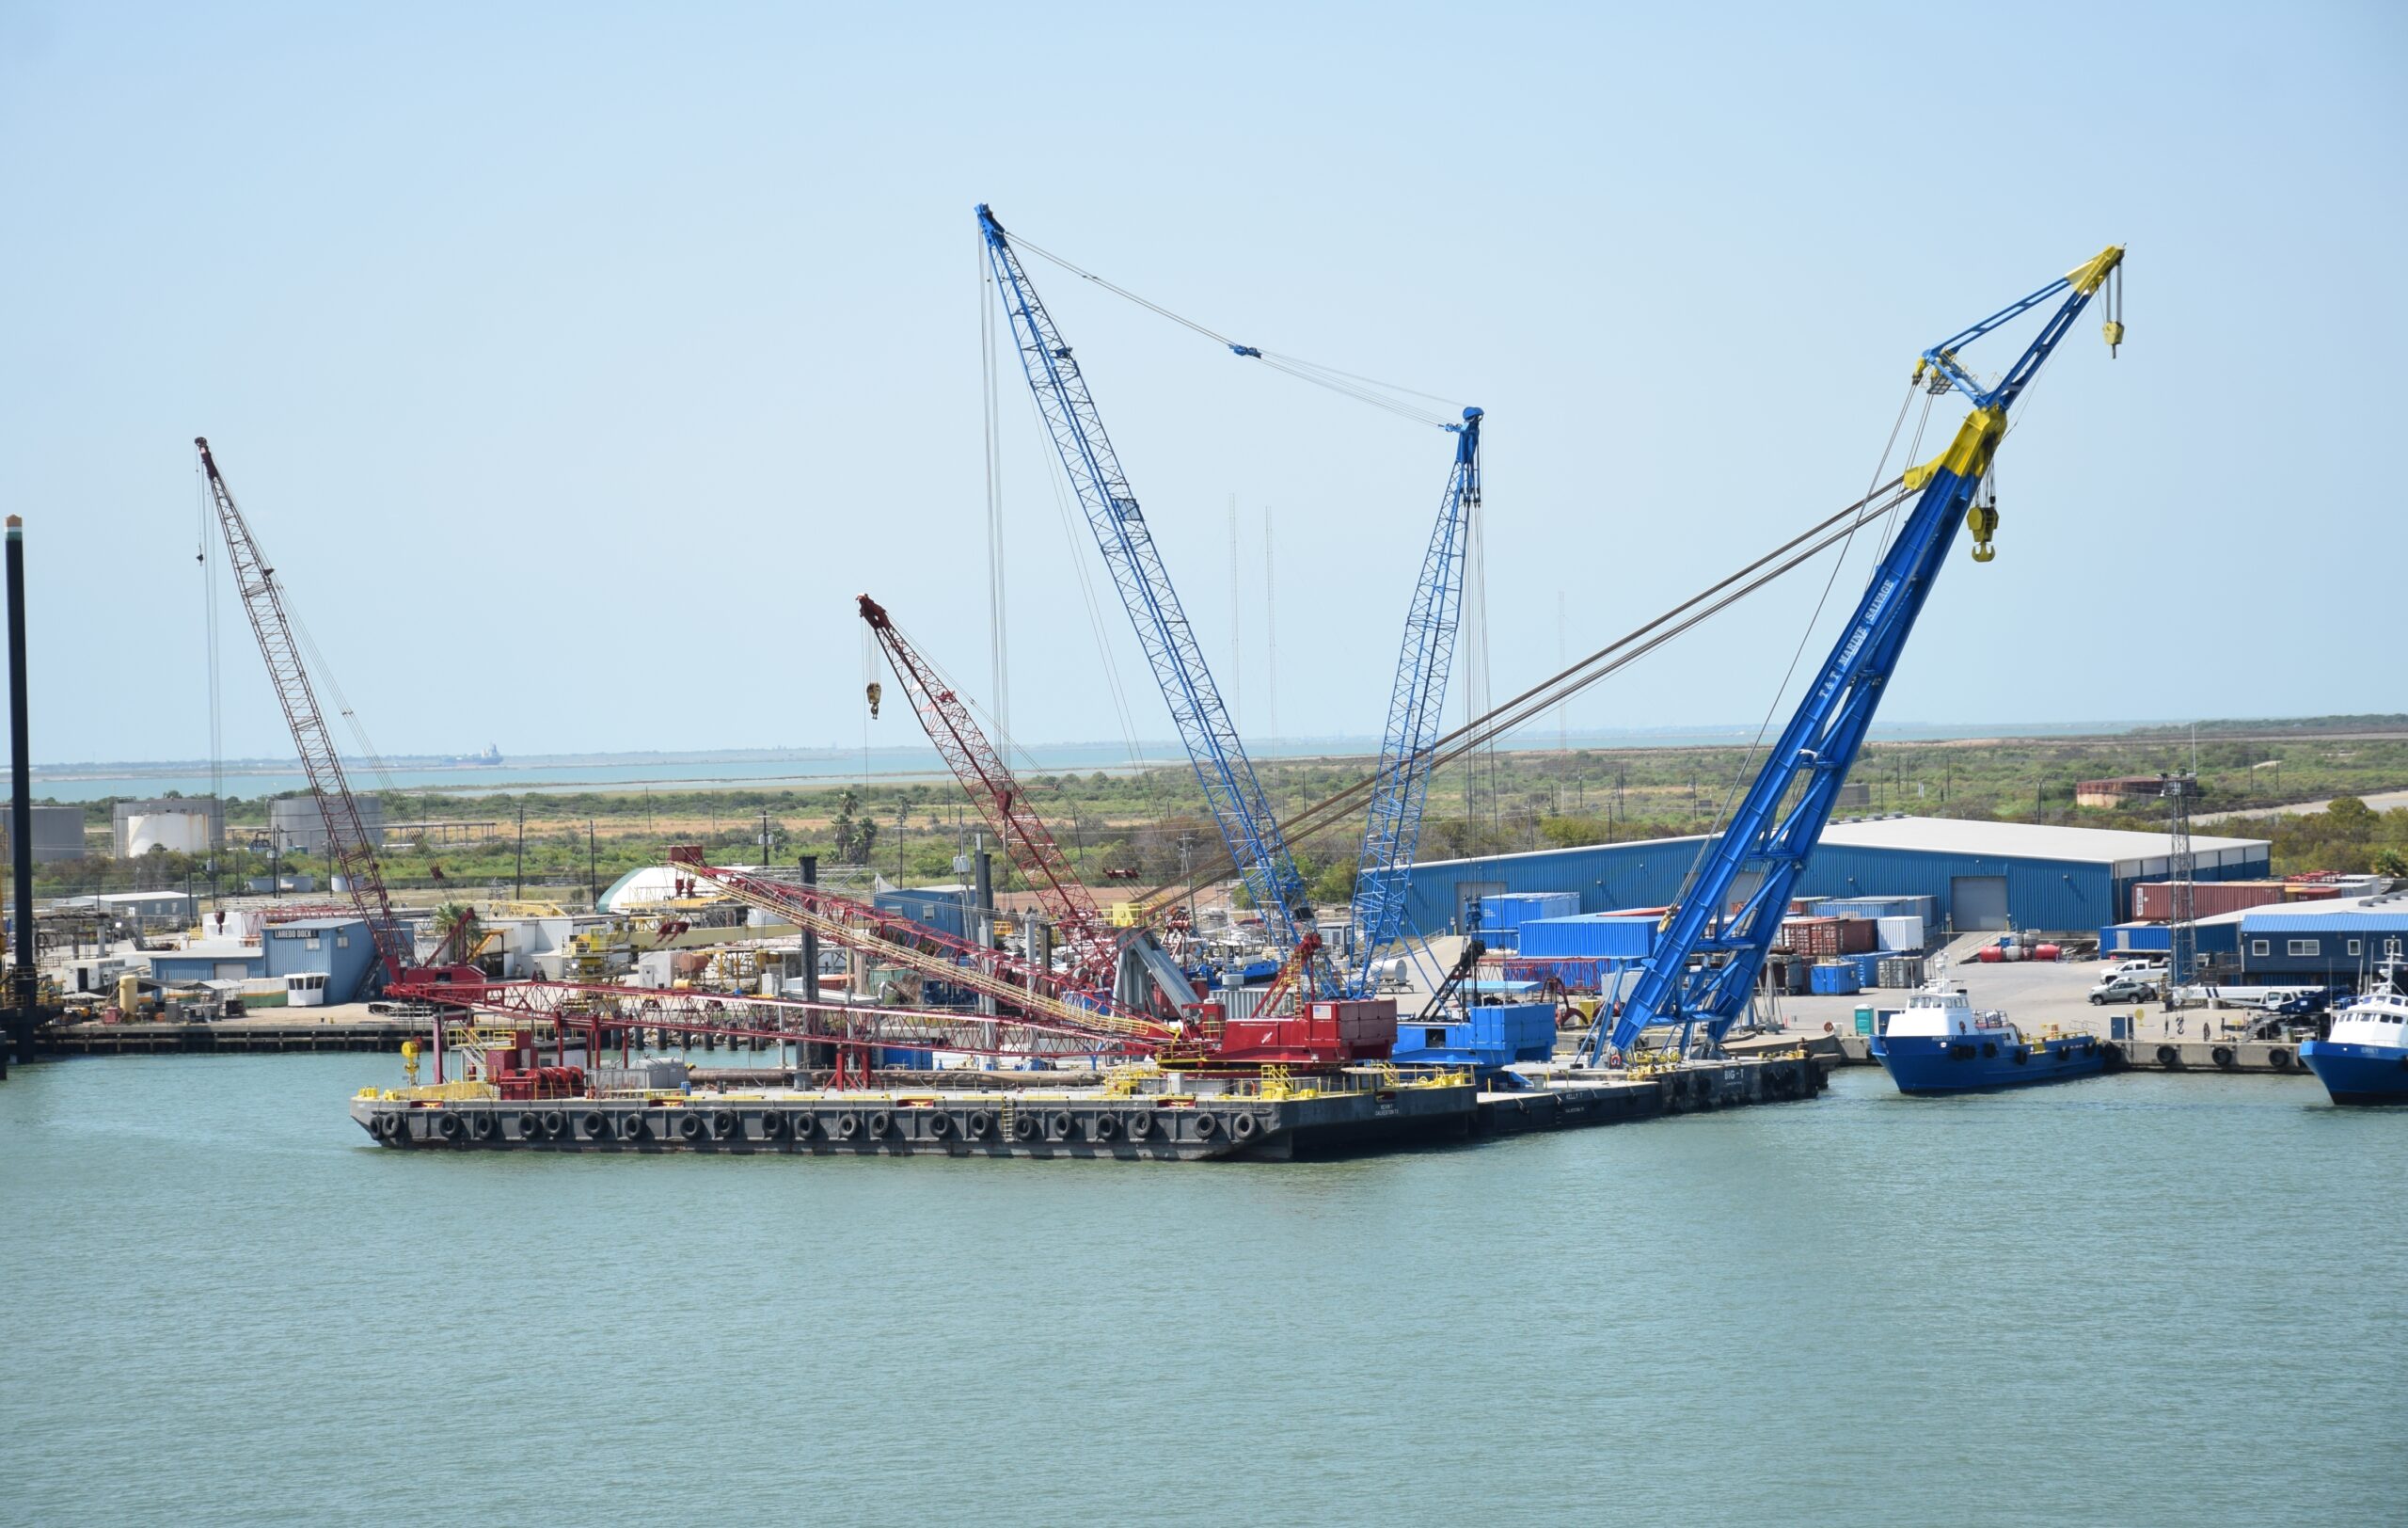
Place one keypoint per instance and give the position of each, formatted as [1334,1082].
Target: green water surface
[2138,1299]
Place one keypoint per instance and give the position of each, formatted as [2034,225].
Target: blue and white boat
[2363,1057]
[1939,1044]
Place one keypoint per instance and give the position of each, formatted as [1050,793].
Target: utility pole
[518,875]
[2183,937]
[593,880]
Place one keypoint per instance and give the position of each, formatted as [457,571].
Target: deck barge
[1359,1109]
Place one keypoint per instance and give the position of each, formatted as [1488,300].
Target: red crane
[350,853]
[1086,936]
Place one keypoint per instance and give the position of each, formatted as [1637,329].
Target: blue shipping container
[1868,969]
[1502,916]
[1593,934]
[1837,979]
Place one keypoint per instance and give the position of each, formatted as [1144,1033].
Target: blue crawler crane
[1238,805]
[1704,967]
[1416,698]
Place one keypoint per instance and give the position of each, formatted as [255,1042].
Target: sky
[576,365]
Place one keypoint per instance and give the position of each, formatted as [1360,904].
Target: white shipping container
[1903,934]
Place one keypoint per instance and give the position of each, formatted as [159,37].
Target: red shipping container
[1830,936]
[2153,900]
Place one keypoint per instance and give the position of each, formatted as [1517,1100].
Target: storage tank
[174,833]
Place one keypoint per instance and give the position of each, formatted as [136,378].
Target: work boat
[1939,1044]
[2363,1060]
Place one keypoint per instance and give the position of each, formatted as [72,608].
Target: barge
[1156,1116]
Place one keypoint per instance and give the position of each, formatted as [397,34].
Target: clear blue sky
[577,364]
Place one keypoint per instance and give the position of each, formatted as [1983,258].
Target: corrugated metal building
[1983,875]
[2329,941]
[340,947]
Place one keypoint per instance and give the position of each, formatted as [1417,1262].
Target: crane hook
[1981,518]
[876,690]
[2113,327]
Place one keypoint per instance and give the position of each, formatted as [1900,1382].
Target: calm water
[2134,1300]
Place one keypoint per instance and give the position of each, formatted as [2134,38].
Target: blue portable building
[2219,935]
[2335,943]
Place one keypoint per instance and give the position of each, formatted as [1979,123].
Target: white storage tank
[173,832]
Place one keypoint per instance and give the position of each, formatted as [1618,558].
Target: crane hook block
[2114,329]
[1981,519]
[876,690]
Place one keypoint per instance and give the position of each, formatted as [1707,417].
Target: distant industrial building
[179,824]
[145,910]
[1983,875]
[58,833]
[294,826]
[2120,790]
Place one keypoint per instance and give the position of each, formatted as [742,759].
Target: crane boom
[1715,939]
[988,781]
[349,850]
[898,939]
[1234,796]
[1418,698]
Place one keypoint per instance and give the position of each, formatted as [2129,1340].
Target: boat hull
[1929,1066]
[2358,1075]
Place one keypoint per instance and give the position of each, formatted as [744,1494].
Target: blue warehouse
[1983,875]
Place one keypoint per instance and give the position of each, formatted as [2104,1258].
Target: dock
[245,1036]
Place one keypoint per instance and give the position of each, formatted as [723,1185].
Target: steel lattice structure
[348,846]
[992,973]
[992,789]
[1231,792]
[1706,960]
[1392,833]
[793,1021]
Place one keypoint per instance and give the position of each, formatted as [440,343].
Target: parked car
[2129,988]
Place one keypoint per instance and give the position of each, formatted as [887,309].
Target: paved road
[2382,800]
[2033,996]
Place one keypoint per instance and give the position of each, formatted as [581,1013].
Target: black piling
[25,979]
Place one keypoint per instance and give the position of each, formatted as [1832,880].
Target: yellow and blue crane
[1714,941]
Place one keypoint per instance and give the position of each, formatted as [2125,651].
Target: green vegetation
[1137,831]
[2348,837]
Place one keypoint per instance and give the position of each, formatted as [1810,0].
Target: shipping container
[1901,971]
[2153,900]
[1833,978]
[1900,934]
[1868,969]
[1822,936]
[1597,934]
[1502,916]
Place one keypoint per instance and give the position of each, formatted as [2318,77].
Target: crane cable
[1385,395]
[1747,766]
[1622,651]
